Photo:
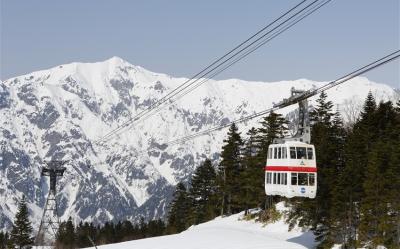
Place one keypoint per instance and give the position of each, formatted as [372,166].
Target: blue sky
[180,37]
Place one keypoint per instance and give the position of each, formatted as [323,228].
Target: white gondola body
[291,170]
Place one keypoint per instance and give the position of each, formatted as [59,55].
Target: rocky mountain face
[60,113]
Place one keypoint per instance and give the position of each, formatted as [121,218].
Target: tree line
[84,234]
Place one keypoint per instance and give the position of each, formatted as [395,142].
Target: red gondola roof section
[291,168]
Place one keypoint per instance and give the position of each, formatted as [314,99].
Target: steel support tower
[50,221]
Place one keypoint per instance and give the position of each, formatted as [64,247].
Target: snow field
[228,232]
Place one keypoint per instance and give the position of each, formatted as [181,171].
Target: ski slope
[228,232]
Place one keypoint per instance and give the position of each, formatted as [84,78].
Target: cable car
[291,170]
[291,167]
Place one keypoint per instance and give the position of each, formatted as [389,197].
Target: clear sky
[180,37]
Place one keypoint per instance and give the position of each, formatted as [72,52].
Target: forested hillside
[357,201]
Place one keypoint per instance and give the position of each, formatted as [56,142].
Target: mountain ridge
[58,113]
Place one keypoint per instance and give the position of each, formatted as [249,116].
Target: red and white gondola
[291,170]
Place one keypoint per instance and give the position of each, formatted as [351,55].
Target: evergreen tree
[118,228]
[84,230]
[202,193]
[107,233]
[273,126]
[369,107]
[66,237]
[398,108]
[374,205]
[92,232]
[3,240]
[252,145]
[365,209]
[338,209]
[137,232]
[155,228]
[142,228]
[379,223]
[252,175]
[329,140]
[20,235]
[229,171]
[178,211]
[349,191]
[392,236]
[127,230]
[323,113]
[368,121]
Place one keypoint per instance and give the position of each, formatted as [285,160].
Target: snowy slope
[57,114]
[229,232]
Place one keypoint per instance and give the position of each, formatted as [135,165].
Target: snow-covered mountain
[57,114]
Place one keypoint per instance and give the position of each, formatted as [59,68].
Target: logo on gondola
[302,163]
[303,190]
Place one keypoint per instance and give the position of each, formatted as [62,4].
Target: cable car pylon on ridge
[291,169]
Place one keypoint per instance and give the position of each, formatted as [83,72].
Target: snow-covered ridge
[58,112]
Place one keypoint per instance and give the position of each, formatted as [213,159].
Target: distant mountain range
[57,114]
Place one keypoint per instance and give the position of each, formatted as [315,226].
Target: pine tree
[203,192]
[323,113]
[374,205]
[92,232]
[70,233]
[252,145]
[3,240]
[20,235]
[364,174]
[178,211]
[229,171]
[392,175]
[252,175]
[379,223]
[66,236]
[398,108]
[127,230]
[118,232]
[273,126]
[331,168]
[137,232]
[84,230]
[369,106]
[142,228]
[155,228]
[348,190]
[338,211]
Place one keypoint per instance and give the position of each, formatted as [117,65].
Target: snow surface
[229,232]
